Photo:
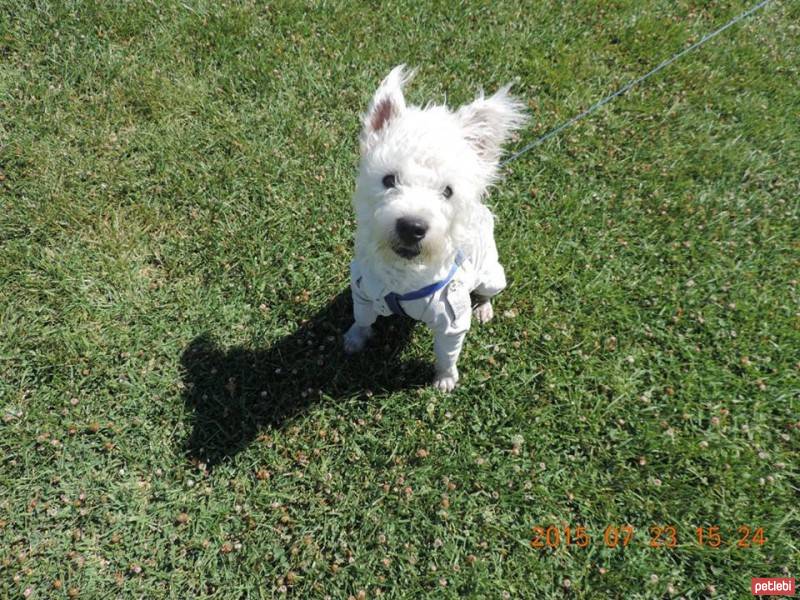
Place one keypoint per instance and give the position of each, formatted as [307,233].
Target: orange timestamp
[658,536]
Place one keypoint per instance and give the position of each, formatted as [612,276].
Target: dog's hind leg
[493,281]
[482,311]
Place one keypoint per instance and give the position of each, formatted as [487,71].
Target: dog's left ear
[387,104]
[489,122]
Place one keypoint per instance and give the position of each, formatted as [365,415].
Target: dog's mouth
[407,252]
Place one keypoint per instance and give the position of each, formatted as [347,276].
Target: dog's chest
[447,308]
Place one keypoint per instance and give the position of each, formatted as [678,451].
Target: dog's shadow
[234,394]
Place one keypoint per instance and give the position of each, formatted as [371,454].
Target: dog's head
[424,170]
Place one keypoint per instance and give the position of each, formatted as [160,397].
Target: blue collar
[393,299]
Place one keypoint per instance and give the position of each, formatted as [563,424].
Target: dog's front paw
[356,337]
[483,312]
[446,381]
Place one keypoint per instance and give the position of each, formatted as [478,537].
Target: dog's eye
[447,192]
[389,181]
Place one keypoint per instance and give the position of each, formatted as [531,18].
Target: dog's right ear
[387,104]
[489,122]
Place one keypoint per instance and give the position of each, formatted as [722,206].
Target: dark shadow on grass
[235,393]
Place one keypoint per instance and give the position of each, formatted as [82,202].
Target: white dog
[424,241]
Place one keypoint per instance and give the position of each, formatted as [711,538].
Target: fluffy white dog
[424,242]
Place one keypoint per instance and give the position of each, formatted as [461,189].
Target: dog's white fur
[428,150]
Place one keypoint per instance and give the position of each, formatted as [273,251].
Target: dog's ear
[489,122]
[387,104]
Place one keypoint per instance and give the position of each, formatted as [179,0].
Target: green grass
[175,227]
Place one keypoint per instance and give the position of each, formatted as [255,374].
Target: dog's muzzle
[410,233]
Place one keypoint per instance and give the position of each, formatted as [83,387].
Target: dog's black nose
[410,230]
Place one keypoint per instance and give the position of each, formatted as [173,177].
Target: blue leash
[600,103]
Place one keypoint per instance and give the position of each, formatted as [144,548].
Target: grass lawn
[178,419]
